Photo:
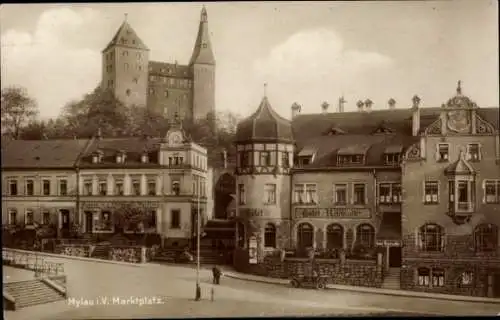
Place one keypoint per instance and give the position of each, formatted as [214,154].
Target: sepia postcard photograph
[250,159]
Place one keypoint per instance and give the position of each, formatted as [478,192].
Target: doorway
[395,257]
[496,285]
[89,221]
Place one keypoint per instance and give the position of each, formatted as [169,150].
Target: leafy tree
[35,130]
[18,108]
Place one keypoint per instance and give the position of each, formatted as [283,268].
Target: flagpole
[198,227]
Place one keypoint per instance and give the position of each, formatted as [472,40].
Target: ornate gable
[483,127]
[413,153]
[434,128]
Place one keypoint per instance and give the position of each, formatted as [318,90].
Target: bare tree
[18,108]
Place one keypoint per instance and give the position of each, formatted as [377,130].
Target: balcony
[461,212]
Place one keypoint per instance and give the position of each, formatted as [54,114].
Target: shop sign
[252,250]
[389,243]
[339,213]
[252,212]
[118,204]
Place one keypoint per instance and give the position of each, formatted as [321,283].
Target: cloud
[53,69]
[314,62]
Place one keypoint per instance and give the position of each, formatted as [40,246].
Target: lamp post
[198,228]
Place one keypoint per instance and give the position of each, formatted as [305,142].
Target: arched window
[486,237]
[241,235]
[431,237]
[334,236]
[365,235]
[270,236]
[305,235]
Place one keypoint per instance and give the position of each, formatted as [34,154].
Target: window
[45,187]
[103,188]
[151,187]
[305,235]
[30,187]
[151,219]
[125,66]
[106,222]
[265,158]
[311,193]
[359,193]
[136,187]
[175,219]
[270,193]
[151,91]
[165,93]
[12,216]
[431,238]
[144,158]
[176,188]
[128,92]
[424,277]
[119,187]
[334,236]
[340,194]
[285,160]
[486,238]
[304,160]
[242,198]
[125,53]
[463,192]
[350,159]
[138,55]
[467,278]
[270,236]
[392,159]
[63,187]
[389,193]
[365,235]
[443,152]
[29,218]
[45,217]
[431,192]
[473,152]
[87,187]
[13,187]
[299,193]
[492,191]
[437,277]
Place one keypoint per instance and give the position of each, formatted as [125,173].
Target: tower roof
[126,37]
[202,52]
[264,125]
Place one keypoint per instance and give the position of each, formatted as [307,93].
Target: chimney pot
[392,103]
[324,107]
[360,105]
[416,101]
[295,109]
[368,105]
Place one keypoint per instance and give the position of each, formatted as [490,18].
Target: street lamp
[198,228]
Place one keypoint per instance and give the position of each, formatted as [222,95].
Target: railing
[32,261]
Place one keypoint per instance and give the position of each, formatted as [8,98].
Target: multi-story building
[166,88]
[369,180]
[39,183]
[141,185]
[451,212]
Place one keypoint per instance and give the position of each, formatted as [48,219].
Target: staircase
[209,256]
[100,251]
[392,280]
[31,292]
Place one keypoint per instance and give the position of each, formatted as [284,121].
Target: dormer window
[97,156]
[352,155]
[350,159]
[306,156]
[392,159]
[120,157]
[144,158]
[305,160]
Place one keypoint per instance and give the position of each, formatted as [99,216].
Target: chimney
[415,118]
[341,104]
[392,104]
[224,158]
[295,109]
[368,105]
[324,107]
[360,105]
[98,134]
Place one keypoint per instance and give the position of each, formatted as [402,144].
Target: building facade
[107,186]
[165,88]
[359,182]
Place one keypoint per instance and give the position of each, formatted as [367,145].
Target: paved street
[175,287]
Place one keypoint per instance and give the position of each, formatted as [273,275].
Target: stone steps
[393,279]
[32,292]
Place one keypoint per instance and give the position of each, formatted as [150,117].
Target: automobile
[309,282]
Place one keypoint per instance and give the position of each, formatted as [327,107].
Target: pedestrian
[214,274]
[217,274]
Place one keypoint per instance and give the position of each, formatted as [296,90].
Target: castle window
[176,187]
[486,238]
[443,152]
[299,193]
[151,187]
[473,152]
[190,84]
[311,193]
[45,217]
[492,191]
[63,187]
[389,193]
[270,236]
[171,81]
[29,218]
[119,187]
[103,187]
[87,187]
[431,238]
[359,193]
[46,187]
[340,194]
[133,41]
[12,187]
[431,192]
[136,187]
[12,216]
[175,219]
[365,235]
[128,92]
[270,193]
[30,187]
[162,70]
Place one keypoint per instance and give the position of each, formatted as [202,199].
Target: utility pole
[198,227]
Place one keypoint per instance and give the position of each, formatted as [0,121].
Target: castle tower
[265,147]
[125,66]
[202,64]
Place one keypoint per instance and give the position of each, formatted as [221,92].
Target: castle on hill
[165,88]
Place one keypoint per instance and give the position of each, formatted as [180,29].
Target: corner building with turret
[165,88]
[411,194]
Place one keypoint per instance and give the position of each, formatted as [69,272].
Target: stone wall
[134,254]
[75,250]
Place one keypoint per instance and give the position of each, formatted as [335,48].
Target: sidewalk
[248,277]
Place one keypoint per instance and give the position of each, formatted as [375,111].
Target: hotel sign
[118,204]
[339,213]
[389,243]
[252,212]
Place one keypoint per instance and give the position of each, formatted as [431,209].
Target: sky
[306,52]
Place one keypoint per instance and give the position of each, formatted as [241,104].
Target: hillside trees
[18,109]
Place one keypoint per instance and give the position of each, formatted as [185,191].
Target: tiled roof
[42,153]
[133,148]
[126,37]
[165,69]
[264,125]
[461,166]
[202,52]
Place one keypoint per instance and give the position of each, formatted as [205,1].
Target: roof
[45,154]
[353,149]
[264,125]
[461,166]
[202,52]
[126,37]
[133,147]
[172,70]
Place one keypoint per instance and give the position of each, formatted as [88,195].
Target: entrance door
[395,257]
[89,221]
[65,226]
[496,285]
